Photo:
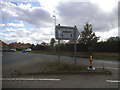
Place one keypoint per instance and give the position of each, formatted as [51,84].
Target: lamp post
[54,20]
[54,31]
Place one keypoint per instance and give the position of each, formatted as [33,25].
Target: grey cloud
[119,14]
[77,13]
[36,16]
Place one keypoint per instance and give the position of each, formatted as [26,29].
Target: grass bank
[79,55]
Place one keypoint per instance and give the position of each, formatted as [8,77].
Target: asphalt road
[15,60]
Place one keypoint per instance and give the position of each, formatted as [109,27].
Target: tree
[87,36]
[38,47]
[43,43]
[113,39]
[52,42]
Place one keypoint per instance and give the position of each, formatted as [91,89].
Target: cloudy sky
[33,22]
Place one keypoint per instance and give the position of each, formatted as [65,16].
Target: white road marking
[107,67]
[106,62]
[114,81]
[111,67]
[29,79]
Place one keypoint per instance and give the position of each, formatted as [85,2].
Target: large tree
[52,42]
[87,36]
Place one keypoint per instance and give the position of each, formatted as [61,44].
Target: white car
[13,50]
[29,50]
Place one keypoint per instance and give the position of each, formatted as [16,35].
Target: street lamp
[54,20]
[54,31]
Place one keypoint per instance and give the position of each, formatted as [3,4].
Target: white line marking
[28,79]
[107,67]
[111,67]
[115,81]
[105,62]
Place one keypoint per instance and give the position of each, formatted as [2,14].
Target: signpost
[66,33]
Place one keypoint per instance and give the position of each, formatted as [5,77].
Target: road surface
[17,60]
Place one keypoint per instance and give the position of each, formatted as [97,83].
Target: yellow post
[90,57]
[90,60]
[91,67]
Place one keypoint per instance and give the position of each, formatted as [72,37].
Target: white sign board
[66,33]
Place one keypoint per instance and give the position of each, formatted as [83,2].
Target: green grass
[59,68]
[64,67]
[81,56]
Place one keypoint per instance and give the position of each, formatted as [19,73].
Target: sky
[32,21]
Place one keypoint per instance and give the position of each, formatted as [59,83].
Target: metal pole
[58,50]
[75,51]
[75,45]
[55,20]
[54,26]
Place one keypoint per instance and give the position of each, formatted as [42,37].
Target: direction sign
[66,32]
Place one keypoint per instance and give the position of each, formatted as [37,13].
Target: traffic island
[54,68]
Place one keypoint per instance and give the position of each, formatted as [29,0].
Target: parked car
[24,50]
[13,50]
[29,50]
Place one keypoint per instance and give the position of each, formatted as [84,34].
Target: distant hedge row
[99,47]
[112,46]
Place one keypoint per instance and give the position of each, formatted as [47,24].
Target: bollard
[91,61]
[91,67]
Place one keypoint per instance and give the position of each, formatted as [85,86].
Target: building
[19,45]
[72,41]
[3,45]
[14,45]
[118,38]
[61,42]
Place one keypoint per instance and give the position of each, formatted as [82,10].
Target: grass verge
[81,56]
[60,68]
[64,67]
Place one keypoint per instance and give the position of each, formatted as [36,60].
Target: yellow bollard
[91,58]
[91,67]
[91,61]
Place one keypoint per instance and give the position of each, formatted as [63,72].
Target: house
[19,45]
[14,45]
[3,45]
[72,42]
[61,42]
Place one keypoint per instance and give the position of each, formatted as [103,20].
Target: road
[20,61]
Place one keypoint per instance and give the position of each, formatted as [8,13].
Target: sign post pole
[58,50]
[75,51]
[75,45]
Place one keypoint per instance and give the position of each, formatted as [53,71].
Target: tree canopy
[52,42]
[87,36]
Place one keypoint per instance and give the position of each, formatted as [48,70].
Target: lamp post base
[91,68]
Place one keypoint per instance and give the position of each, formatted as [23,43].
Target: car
[29,50]
[24,50]
[13,50]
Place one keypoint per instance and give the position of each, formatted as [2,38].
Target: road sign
[66,32]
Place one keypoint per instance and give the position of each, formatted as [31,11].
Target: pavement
[12,61]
